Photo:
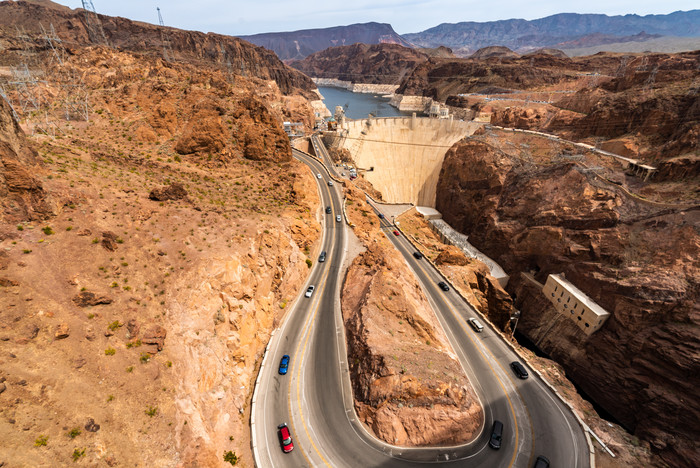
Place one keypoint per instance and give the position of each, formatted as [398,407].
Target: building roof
[580,295]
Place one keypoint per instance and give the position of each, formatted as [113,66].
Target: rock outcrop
[22,195]
[408,387]
[204,50]
[637,259]
[296,45]
[363,63]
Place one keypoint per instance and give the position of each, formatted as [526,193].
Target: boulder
[88,298]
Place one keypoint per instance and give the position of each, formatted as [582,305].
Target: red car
[285,438]
[396,233]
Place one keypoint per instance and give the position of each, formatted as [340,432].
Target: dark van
[496,435]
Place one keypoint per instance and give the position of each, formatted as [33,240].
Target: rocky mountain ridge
[553,31]
[296,45]
[373,64]
[204,50]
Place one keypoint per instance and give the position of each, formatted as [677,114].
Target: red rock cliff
[190,46]
[638,260]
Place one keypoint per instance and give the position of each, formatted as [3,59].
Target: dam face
[405,152]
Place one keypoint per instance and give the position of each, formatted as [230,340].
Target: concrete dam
[405,152]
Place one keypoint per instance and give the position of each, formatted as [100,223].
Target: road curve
[315,397]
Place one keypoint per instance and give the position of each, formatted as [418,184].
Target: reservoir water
[358,105]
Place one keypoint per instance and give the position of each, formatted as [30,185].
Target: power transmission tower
[54,43]
[620,72]
[25,84]
[28,52]
[227,62]
[3,94]
[93,24]
[165,39]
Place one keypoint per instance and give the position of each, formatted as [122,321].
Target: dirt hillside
[147,254]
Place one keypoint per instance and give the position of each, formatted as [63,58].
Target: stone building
[573,303]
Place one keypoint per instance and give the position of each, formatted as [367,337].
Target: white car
[338,218]
[330,183]
[318,176]
[309,291]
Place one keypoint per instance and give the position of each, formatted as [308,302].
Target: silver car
[309,291]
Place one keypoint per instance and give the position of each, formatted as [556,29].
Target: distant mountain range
[557,30]
[297,45]
[563,31]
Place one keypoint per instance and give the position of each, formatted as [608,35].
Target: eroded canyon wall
[637,259]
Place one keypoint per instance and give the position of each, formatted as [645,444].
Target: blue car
[284,364]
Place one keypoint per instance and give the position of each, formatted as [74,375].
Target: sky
[406,16]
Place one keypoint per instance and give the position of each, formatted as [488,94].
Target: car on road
[284,364]
[396,233]
[285,438]
[519,369]
[418,255]
[309,291]
[338,218]
[496,435]
[330,183]
[322,257]
[381,215]
[541,462]
[476,325]
[318,176]
[328,209]
[443,286]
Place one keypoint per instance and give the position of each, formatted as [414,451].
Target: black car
[519,369]
[443,286]
[328,209]
[322,257]
[496,434]
[381,216]
[541,462]
[418,255]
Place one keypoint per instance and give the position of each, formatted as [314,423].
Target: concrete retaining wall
[450,236]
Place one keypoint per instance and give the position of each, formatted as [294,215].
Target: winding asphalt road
[315,397]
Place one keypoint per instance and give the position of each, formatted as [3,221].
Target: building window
[587,325]
[552,294]
[556,287]
[575,305]
[579,318]
[569,299]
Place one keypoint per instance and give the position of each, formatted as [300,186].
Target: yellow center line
[463,325]
[298,366]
